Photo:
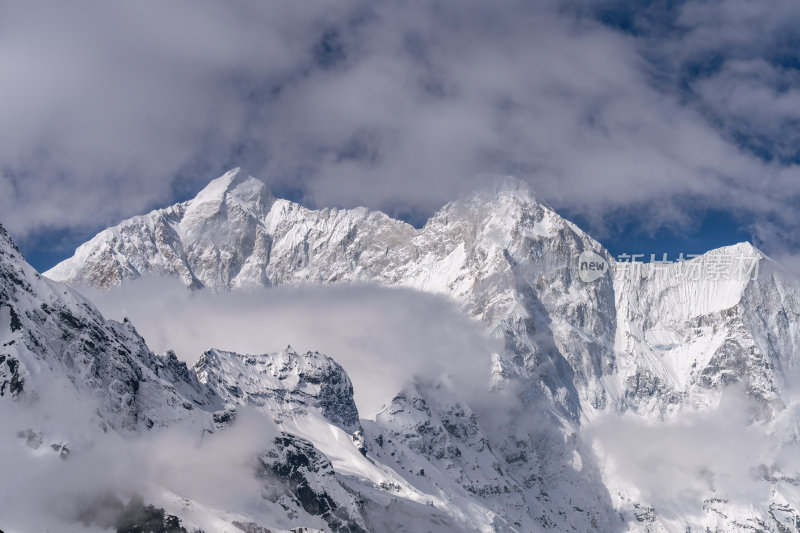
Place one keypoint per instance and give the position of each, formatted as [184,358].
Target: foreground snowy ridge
[657,349]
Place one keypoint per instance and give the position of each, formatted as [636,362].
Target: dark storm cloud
[110,108]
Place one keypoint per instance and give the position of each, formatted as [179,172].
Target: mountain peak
[496,185]
[739,249]
[235,187]
[739,255]
[236,182]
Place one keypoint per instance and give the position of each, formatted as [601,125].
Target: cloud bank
[676,465]
[112,108]
[382,337]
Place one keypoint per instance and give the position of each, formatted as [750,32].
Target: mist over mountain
[506,388]
[509,266]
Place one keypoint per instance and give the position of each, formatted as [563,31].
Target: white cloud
[675,465]
[382,337]
[41,492]
[109,109]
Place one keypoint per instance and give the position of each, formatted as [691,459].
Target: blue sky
[657,126]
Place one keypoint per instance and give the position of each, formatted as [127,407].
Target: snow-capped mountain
[656,344]
[495,252]
[502,254]
[314,468]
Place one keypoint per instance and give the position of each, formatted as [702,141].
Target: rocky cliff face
[653,342]
[50,333]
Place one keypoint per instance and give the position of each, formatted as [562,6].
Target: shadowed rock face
[134,517]
[295,471]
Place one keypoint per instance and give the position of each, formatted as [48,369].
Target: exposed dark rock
[109,512]
[140,518]
[16,324]
[61,449]
[644,513]
[11,381]
[224,418]
[33,439]
[251,527]
[293,463]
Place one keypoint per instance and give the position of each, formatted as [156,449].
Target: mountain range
[622,396]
